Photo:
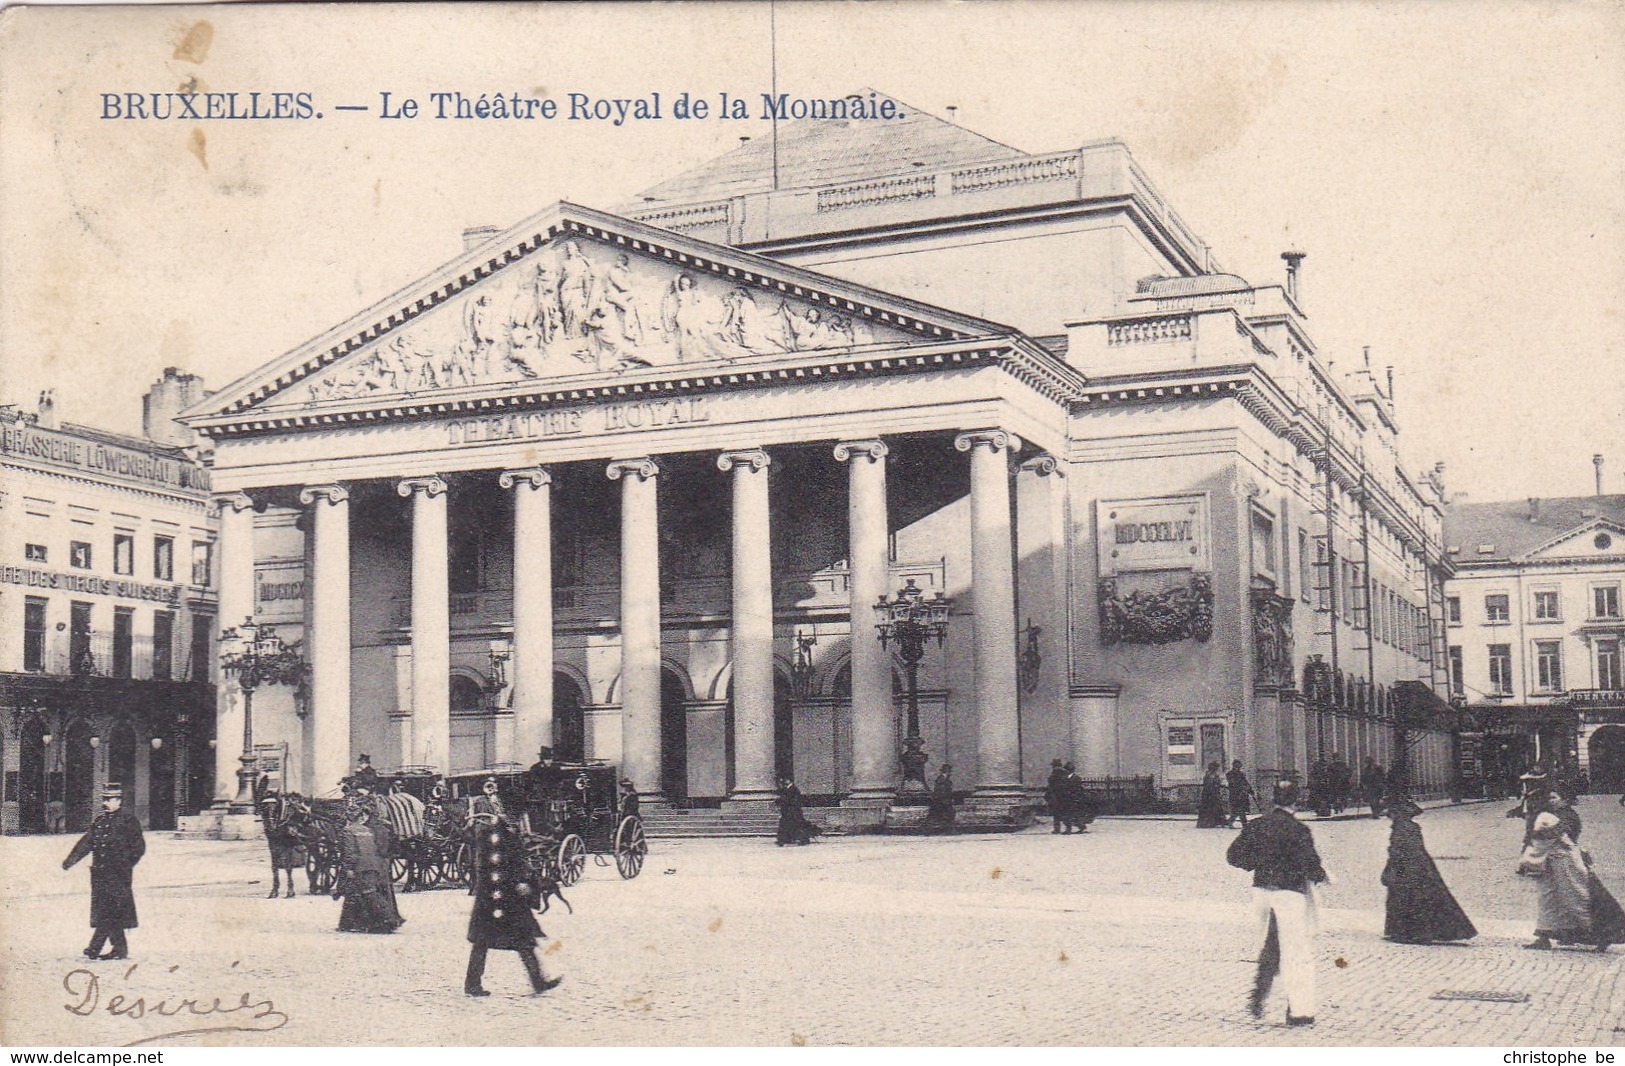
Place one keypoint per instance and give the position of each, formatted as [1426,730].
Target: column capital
[755,458]
[995,439]
[237,501]
[536,477]
[1043,464]
[432,485]
[644,469]
[331,493]
[872,450]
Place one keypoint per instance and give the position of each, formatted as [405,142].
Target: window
[1546,609]
[123,631]
[35,553]
[202,627]
[79,657]
[79,555]
[123,553]
[163,558]
[1182,745]
[201,567]
[1452,609]
[33,633]
[1500,669]
[1605,601]
[1609,675]
[1497,608]
[163,645]
[1306,566]
[1458,685]
[1549,665]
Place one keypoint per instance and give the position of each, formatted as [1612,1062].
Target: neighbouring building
[108,606]
[632,484]
[1535,628]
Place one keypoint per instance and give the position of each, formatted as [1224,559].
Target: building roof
[828,151]
[1506,526]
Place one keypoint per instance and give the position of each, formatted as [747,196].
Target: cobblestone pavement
[1135,933]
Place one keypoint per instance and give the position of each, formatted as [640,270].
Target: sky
[1455,172]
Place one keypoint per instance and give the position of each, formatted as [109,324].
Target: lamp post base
[243,803]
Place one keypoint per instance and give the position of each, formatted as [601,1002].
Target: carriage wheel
[399,868]
[572,859]
[461,868]
[630,847]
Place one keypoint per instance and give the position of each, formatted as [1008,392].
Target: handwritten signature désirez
[86,990]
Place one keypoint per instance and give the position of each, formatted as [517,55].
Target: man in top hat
[1280,852]
[544,783]
[365,777]
[505,894]
[115,841]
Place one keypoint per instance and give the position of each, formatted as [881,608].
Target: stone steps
[673,822]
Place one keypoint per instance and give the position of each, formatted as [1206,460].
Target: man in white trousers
[1280,852]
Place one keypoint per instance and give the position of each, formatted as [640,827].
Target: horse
[286,821]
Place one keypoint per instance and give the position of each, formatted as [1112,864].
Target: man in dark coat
[1241,794]
[1340,782]
[1319,791]
[505,894]
[1373,785]
[544,782]
[1280,852]
[115,841]
[1055,796]
[1420,908]
[365,777]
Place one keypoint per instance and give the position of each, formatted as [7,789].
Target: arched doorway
[471,726]
[569,720]
[673,737]
[31,777]
[79,779]
[1606,749]
[161,786]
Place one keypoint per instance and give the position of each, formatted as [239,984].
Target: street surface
[1134,933]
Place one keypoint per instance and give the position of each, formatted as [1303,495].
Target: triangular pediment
[1597,537]
[574,294]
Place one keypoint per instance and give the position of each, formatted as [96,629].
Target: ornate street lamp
[263,660]
[909,619]
[497,676]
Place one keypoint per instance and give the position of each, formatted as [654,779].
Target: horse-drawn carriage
[589,815]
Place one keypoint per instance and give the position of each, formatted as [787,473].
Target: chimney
[1294,263]
[1596,461]
[168,397]
[474,236]
[46,416]
[1534,509]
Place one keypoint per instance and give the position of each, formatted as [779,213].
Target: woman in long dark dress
[1211,814]
[1421,909]
[363,881]
[792,823]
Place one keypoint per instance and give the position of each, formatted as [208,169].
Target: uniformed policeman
[505,895]
[115,841]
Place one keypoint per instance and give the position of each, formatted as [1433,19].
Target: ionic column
[532,608]
[431,624]
[640,623]
[752,625]
[236,587]
[874,716]
[329,639]
[998,734]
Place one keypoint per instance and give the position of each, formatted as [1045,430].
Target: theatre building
[1535,627]
[107,609]
[632,484]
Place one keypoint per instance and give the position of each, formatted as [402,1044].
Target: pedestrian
[1373,784]
[1531,804]
[1076,801]
[1420,908]
[1055,797]
[794,829]
[1210,813]
[1319,789]
[940,811]
[1567,816]
[1241,794]
[116,844]
[1573,906]
[505,896]
[363,881]
[1280,852]
[1340,780]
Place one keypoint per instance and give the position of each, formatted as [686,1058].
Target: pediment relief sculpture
[582,306]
